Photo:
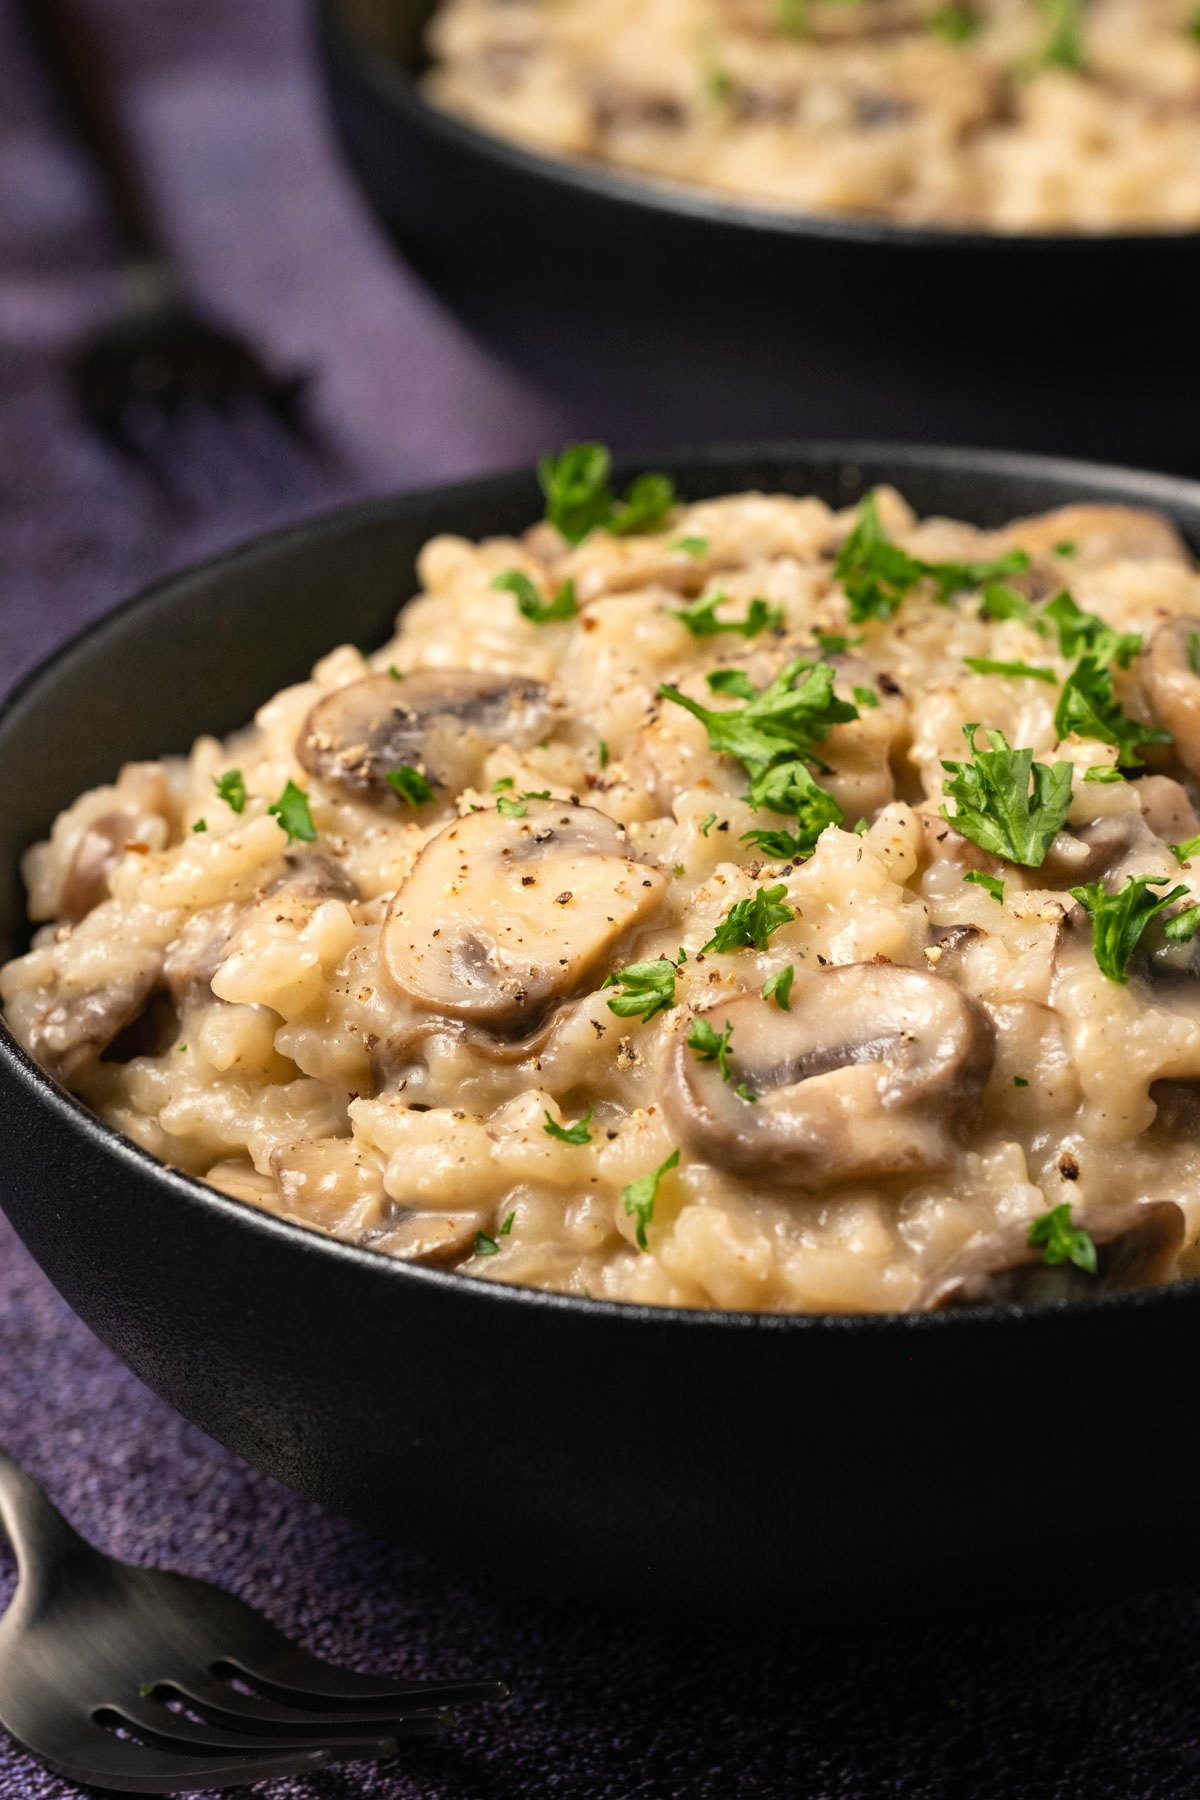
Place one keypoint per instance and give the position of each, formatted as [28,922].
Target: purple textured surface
[1097,1702]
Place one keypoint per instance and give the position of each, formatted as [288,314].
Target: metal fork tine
[222,1706]
[150,1719]
[142,1769]
[308,1681]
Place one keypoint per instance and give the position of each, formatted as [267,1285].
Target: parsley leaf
[1119,920]
[986,665]
[781,720]
[200,825]
[1061,1242]
[992,883]
[231,788]
[1088,707]
[1083,634]
[788,788]
[640,1195]
[571,1134]
[1063,46]
[877,574]
[410,784]
[778,987]
[508,1224]
[751,922]
[692,546]
[995,808]
[292,811]
[485,1245]
[954,23]
[579,496]
[1002,602]
[834,643]
[1183,927]
[701,617]
[1104,772]
[708,824]
[508,808]
[1185,851]
[649,988]
[530,604]
[711,1046]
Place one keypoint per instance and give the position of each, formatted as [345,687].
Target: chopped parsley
[877,575]
[1083,634]
[783,720]
[788,788]
[200,825]
[744,1092]
[711,1046]
[987,665]
[1020,1081]
[410,784]
[751,923]
[865,696]
[1060,1241]
[602,754]
[1194,652]
[1119,920]
[1104,772]
[994,805]
[1002,602]
[292,811]
[517,809]
[1063,44]
[1088,707]
[834,643]
[1185,851]
[702,621]
[649,988]
[1182,928]
[708,824]
[485,1245]
[778,987]
[508,1224]
[640,1195]
[692,546]
[1066,548]
[991,883]
[954,23]
[395,673]
[571,1134]
[530,604]
[231,788]
[579,497]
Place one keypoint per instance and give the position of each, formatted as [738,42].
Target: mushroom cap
[442,721]
[1136,1246]
[502,918]
[866,1075]
[1171,686]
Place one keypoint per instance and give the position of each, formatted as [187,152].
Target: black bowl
[662,312]
[644,1455]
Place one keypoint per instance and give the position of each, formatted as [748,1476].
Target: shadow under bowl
[647,1457]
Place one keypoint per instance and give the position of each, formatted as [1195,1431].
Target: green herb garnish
[990,883]
[987,665]
[200,825]
[783,720]
[995,807]
[1088,707]
[1104,772]
[1002,602]
[1119,920]
[292,811]
[579,496]
[410,784]
[485,1245]
[751,923]
[1184,852]
[509,808]
[1084,634]
[711,1046]
[571,1134]
[708,824]
[1182,928]
[954,23]
[640,1195]
[530,604]
[877,574]
[1060,1241]
[231,788]
[692,546]
[788,788]
[778,987]
[702,621]
[649,988]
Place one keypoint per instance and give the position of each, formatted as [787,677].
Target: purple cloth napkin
[1099,1702]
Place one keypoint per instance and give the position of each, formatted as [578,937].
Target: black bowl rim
[393,83]
[73,1115]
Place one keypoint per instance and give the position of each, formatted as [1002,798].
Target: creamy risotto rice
[736,904]
[1018,115]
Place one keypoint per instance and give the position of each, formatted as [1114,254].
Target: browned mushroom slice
[437,1240]
[441,721]
[1100,534]
[1091,851]
[1170,681]
[1136,1246]
[501,918]
[78,1027]
[866,1075]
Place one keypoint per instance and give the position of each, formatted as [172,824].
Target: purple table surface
[224,104]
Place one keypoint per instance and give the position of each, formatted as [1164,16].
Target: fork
[158,354]
[154,1683]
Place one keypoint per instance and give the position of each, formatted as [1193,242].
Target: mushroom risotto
[737,904]
[1017,115]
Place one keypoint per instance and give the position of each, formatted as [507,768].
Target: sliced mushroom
[868,1074]
[437,1240]
[1100,534]
[143,793]
[77,1028]
[1167,808]
[1136,1246]
[502,918]
[1091,851]
[441,721]
[1170,681]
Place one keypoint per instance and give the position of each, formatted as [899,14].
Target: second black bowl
[648,1456]
[660,313]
